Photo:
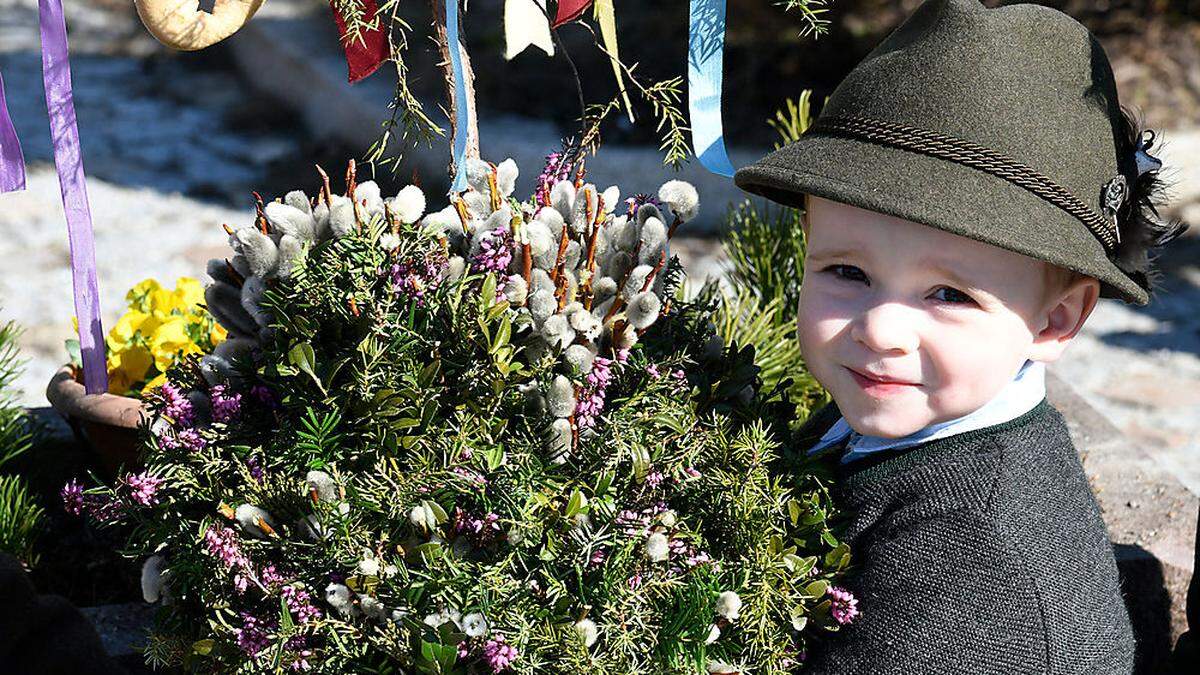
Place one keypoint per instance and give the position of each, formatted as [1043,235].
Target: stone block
[1151,520]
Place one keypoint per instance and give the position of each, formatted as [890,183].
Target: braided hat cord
[968,154]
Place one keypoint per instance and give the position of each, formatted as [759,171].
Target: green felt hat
[1002,125]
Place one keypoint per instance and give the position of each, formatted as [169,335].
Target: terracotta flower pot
[105,423]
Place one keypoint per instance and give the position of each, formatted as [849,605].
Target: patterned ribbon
[12,164]
[706,53]
[460,98]
[68,160]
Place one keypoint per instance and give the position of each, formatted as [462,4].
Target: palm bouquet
[495,437]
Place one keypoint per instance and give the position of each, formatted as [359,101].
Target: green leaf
[203,647]
[488,292]
[303,357]
[838,557]
[817,588]
[438,512]
[603,483]
[285,615]
[576,503]
[74,353]
[494,457]
[430,550]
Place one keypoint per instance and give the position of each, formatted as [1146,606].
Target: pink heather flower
[177,406]
[480,531]
[635,581]
[652,371]
[588,408]
[300,604]
[221,543]
[692,472]
[556,169]
[601,372]
[843,605]
[464,649]
[495,250]
[104,509]
[252,637]
[413,278]
[591,397]
[143,487]
[254,466]
[597,558]
[470,475]
[654,479]
[186,439]
[72,496]
[226,406]
[298,646]
[270,576]
[498,654]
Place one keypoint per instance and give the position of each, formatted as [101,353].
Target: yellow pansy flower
[138,296]
[218,333]
[171,341]
[164,303]
[134,361]
[126,327]
[161,327]
[190,293]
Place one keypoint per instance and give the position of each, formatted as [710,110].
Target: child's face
[907,325]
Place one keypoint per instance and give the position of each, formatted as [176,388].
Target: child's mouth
[880,387]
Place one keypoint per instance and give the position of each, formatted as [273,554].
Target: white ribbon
[525,24]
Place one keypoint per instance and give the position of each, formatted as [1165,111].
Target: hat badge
[1115,193]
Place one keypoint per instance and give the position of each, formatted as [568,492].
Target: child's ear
[1063,315]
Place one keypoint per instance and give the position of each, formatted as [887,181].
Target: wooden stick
[438,8]
[562,253]
[326,193]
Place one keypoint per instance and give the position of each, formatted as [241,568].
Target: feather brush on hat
[1141,227]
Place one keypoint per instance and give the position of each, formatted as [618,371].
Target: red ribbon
[569,10]
[365,55]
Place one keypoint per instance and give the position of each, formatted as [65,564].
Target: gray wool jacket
[982,552]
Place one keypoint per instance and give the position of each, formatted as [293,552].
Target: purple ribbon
[68,160]
[12,166]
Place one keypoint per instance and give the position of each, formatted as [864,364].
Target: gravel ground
[173,145]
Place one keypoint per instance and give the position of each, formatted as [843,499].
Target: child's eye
[848,272]
[952,295]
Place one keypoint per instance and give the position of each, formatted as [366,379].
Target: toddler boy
[971,189]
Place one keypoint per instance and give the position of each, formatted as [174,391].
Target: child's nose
[885,328]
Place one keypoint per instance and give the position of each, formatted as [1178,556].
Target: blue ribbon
[706,54]
[460,99]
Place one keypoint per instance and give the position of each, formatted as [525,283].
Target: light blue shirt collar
[1022,394]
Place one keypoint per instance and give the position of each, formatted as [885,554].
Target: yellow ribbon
[607,19]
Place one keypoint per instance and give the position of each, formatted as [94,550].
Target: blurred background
[174,143]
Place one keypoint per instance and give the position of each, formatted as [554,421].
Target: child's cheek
[973,362]
[820,318]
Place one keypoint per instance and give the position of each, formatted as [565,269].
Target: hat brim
[938,193]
